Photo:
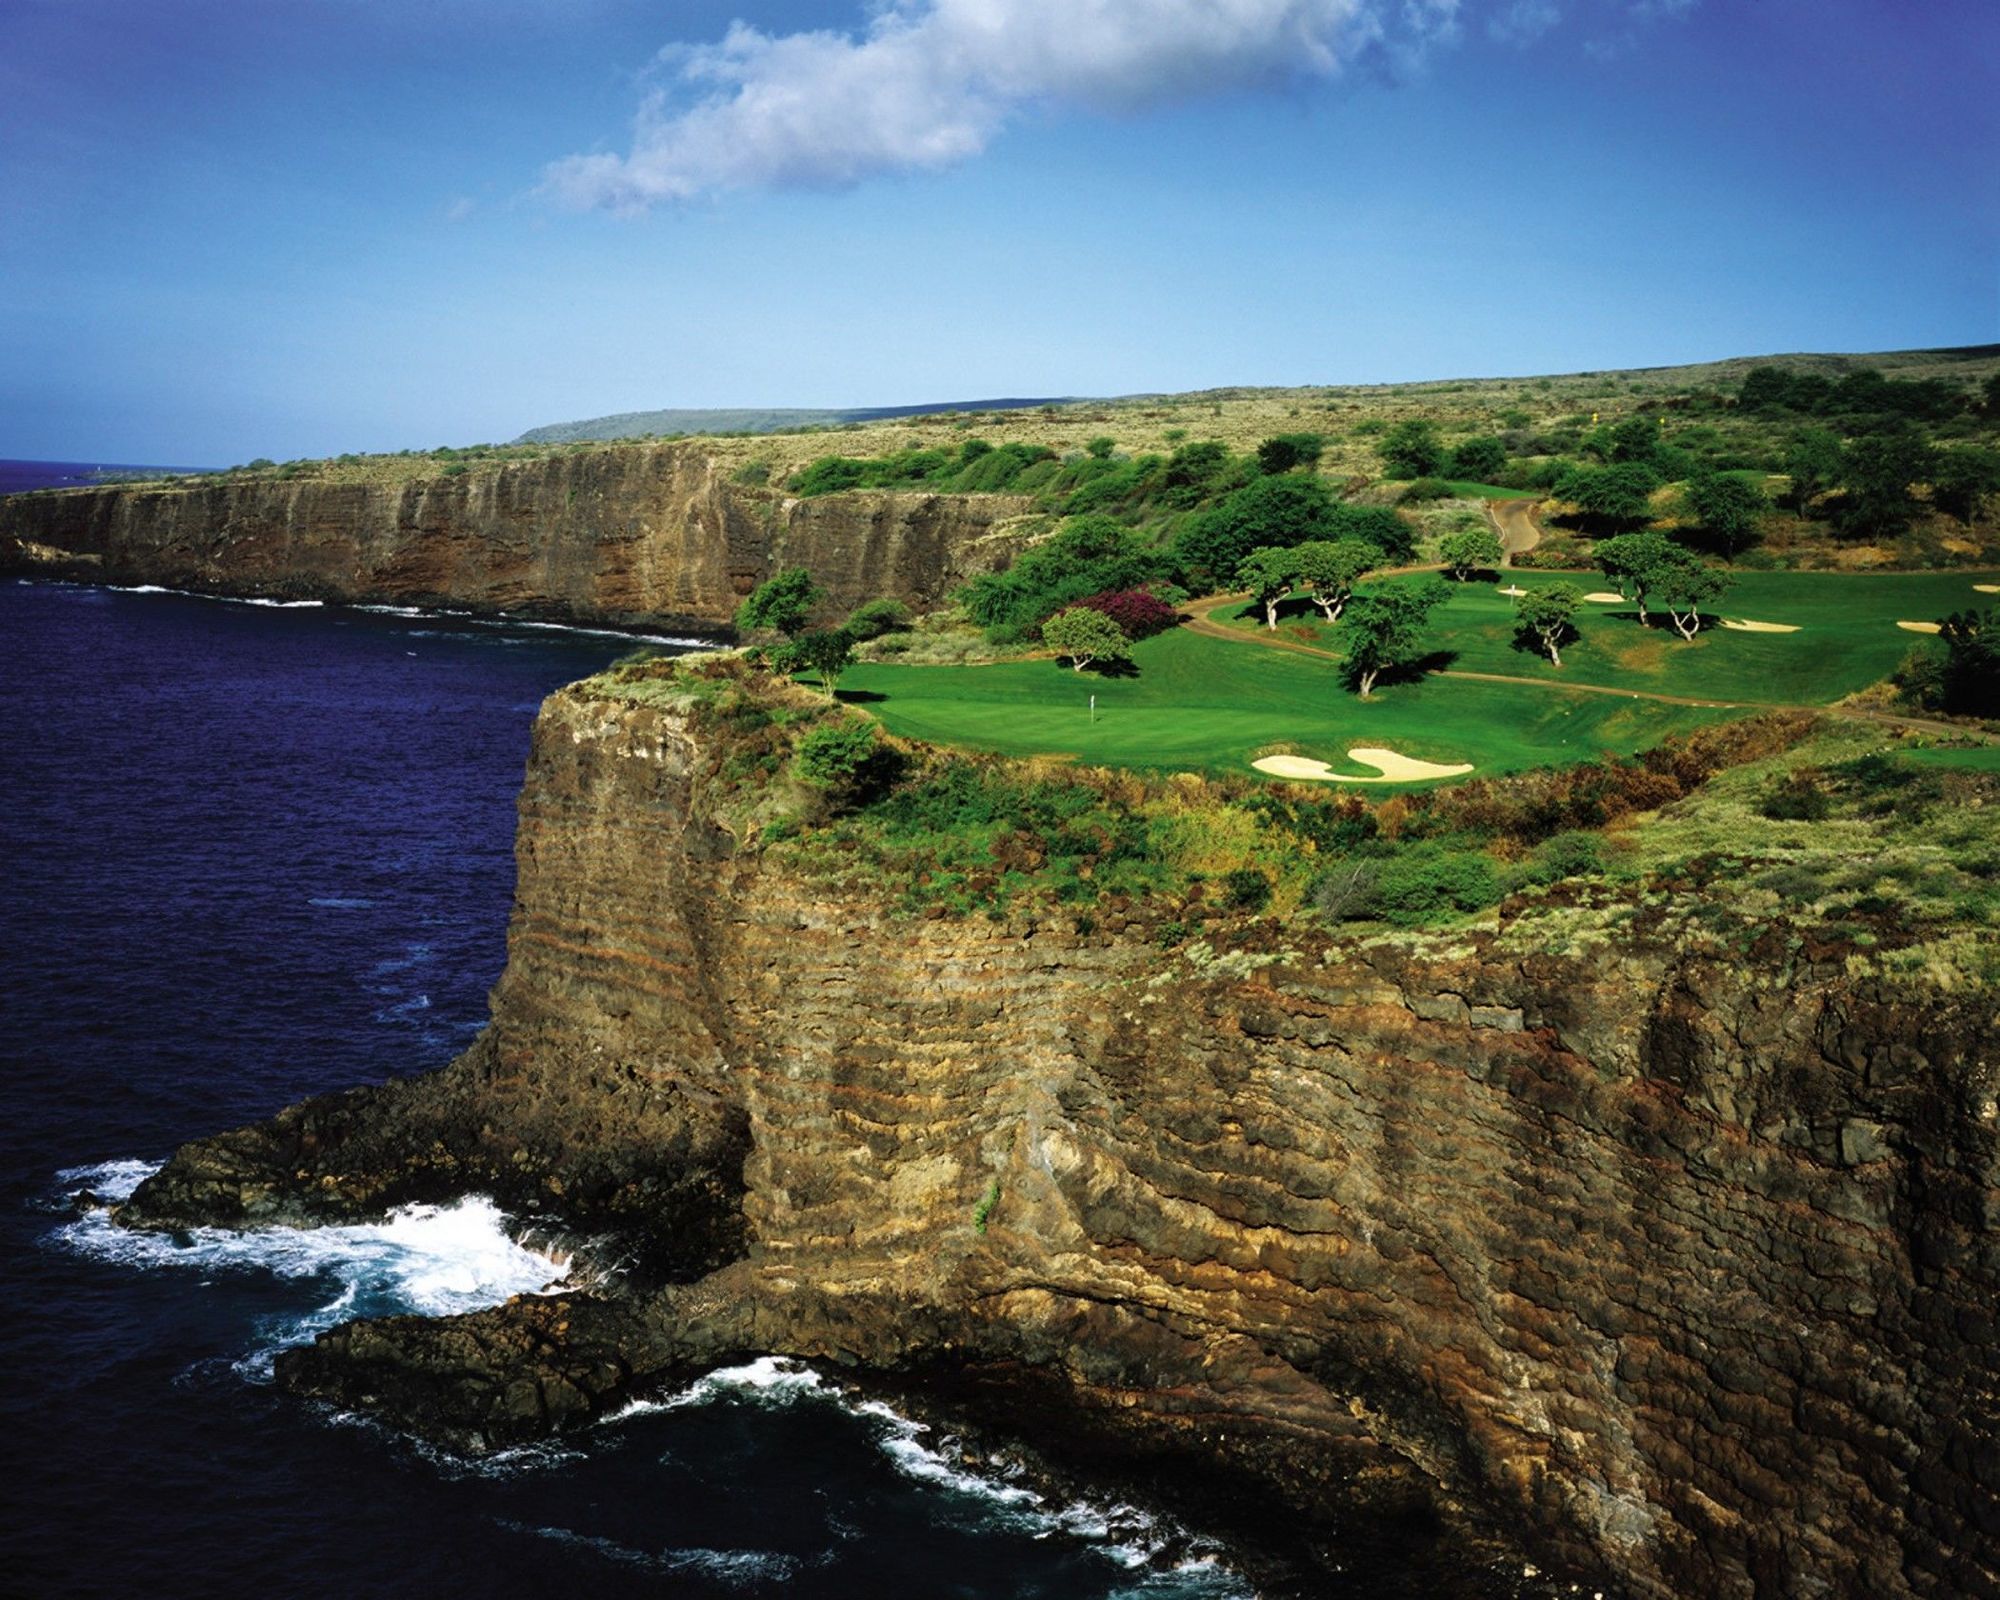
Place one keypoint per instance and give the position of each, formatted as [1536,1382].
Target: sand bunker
[1393,768]
[1920,627]
[1514,593]
[1742,626]
[1987,588]
[1604,597]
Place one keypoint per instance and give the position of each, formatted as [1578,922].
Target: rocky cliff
[644,534]
[1679,1263]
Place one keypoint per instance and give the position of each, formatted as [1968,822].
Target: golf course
[1219,698]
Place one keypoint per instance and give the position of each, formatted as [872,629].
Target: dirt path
[1201,620]
[1514,521]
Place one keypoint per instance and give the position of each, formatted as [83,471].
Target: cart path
[1514,521]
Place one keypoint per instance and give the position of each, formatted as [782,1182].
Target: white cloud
[931,82]
[1523,20]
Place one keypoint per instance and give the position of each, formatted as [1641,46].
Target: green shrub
[874,618]
[1246,889]
[835,753]
[1568,855]
[1422,883]
[1796,797]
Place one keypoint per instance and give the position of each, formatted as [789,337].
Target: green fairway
[1847,636]
[1465,489]
[1205,703]
[1977,758]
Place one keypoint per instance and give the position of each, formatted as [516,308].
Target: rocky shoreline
[1675,1265]
[635,536]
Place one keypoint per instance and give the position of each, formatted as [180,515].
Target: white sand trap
[1742,626]
[1394,768]
[1514,594]
[1604,597]
[1987,588]
[1920,627]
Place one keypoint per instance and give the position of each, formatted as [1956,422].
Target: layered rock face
[1682,1268]
[644,534]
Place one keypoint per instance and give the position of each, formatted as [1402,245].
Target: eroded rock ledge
[1684,1267]
[631,536]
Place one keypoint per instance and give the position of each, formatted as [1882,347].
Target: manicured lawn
[1979,758]
[1847,635]
[1203,703]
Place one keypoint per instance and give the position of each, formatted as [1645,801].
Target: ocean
[16,477]
[256,851]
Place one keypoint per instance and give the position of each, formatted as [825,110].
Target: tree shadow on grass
[1419,669]
[858,697]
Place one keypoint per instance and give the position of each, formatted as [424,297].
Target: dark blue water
[16,477]
[252,853]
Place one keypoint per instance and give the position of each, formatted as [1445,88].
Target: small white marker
[1093,708]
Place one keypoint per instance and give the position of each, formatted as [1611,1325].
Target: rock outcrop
[630,536]
[1681,1266]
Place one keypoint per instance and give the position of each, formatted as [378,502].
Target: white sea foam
[224,599]
[430,1260]
[1132,1537]
[733,1568]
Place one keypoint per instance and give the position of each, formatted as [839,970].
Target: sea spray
[428,1260]
[1164,1558]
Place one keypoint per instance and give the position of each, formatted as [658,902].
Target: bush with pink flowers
[1138,612]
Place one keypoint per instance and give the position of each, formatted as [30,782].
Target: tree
[1727,510]
[1269,575]
[1139,613]
[1380,526]
[1617,497]
[1764,389]
[1963,481]
[1470,550]
[1412,449]
[1385,627]
[1481,459]
[1813,465]
[1635,439]
[1971,678]
[1083,636]
[1636,562]
[1876,472]
[1281,511]
[1330,568]
[1091,554]
[1285,451]
[826,654]
[1549,616]
[1684,584]
[782,604]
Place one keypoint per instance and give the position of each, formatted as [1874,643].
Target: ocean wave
[1128,1535]
[224,599]
[733,1568]
[422,1259]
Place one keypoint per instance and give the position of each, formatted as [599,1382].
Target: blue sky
[232,228]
